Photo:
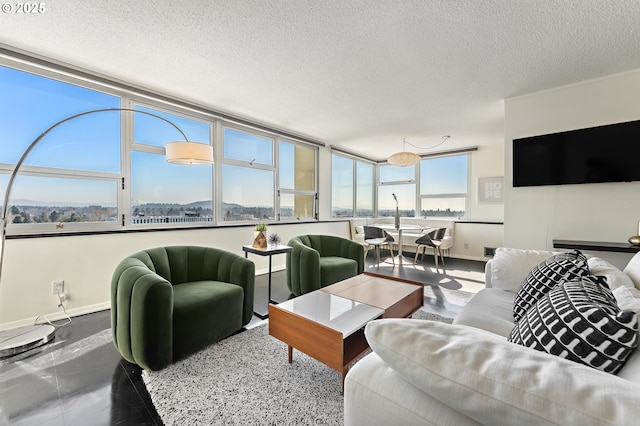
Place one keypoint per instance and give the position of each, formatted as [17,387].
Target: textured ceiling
[358,74]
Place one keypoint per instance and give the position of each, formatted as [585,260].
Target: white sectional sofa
[424,372]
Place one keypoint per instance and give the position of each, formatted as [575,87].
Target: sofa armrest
[354,250]
[492,381]
[302,268]
[142,315]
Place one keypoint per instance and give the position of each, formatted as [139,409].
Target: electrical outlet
[57,287]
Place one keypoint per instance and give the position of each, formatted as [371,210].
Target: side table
[268,251]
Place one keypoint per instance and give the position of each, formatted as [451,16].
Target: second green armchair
[320,260]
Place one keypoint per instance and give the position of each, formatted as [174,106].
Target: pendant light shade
[404,159]
[192,153]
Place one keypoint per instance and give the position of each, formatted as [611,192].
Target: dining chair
[431,239]
[376,237]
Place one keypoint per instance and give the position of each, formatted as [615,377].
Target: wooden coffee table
[328,324]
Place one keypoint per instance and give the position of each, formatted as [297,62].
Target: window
[351,189]
[71,178]
[341,186]
[401,182]
[104,166]
[297,181]
[364,189]
[163,192]
[443,186]
[248,176]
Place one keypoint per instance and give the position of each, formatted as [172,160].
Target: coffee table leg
[345,370]
[290,354]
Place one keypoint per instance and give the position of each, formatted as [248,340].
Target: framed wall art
[491,189]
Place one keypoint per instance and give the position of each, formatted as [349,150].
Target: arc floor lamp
[21,339]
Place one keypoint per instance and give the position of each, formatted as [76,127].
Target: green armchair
[317,261]
[170,302]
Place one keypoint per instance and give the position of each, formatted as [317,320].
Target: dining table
[390,227]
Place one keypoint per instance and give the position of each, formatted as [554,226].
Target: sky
[30,104]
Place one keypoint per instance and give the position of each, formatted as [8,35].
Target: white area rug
[246,380]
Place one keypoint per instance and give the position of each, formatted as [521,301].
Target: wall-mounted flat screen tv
[608,153]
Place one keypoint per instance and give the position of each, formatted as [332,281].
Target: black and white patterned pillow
[580,321]
[546,275]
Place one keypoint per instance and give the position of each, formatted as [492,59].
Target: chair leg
[366,250]
[435,257]
[415,259]
[378,252]
[391,253]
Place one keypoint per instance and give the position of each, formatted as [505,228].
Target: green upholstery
[317,261]
[169,302]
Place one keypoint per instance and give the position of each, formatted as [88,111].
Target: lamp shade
[189,153]
[404,158]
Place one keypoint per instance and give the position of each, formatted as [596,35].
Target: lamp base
[22,339]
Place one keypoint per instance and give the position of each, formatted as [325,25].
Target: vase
[260,239]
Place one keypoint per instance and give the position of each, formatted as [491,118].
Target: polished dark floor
[80,379]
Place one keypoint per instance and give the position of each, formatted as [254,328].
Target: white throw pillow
[633,270]
[615,277]
[509,266]
[496,382]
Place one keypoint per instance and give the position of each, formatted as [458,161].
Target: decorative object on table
[635,240]
[260,235]
[184,152]
[397,218]
[406,158]
[274,239]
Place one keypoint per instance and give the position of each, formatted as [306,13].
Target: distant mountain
[32,203]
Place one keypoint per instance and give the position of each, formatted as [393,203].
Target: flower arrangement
[261,227]
[274,239]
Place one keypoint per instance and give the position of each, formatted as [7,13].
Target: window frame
[374,193]
[130,146]
[463,195]
[288,191]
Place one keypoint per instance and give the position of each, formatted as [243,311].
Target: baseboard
[465,257]
[58,315]
[273,269]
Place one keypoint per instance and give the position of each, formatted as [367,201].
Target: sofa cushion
[615,277]
[509,267]
[334,269]
[213,308]
[546,275]
[632,270]
[490,309]
[493,381]
[580,321]
[374,394]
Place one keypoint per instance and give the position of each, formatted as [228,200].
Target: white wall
[86,264]
[471,238]
[608,212]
